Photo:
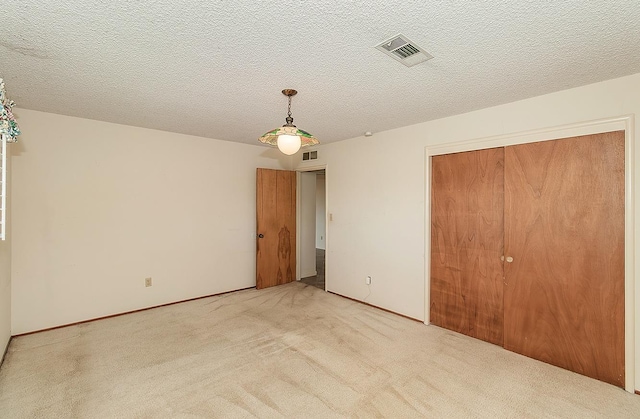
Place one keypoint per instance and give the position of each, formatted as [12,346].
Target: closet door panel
[467,242]
[564,229]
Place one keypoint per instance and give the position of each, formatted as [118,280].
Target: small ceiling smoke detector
[400,48]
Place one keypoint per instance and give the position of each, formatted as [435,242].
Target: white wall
[5,270]
[307,224]
[5,294]
[97,207]
[377,190]
[320,212]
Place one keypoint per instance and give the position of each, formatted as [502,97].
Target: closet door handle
[509,259]
[502,258]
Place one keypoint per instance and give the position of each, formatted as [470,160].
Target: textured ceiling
[216,68]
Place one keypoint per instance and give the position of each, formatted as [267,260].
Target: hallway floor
[318,280]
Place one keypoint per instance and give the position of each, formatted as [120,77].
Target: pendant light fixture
[288,137]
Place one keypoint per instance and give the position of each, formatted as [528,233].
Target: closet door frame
[623,123]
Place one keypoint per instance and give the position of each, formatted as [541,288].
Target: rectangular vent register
[400,48]
[310,155]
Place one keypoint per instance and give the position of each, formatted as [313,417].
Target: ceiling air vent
[400,48]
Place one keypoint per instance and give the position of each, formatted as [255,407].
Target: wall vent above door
[309,155]
[400,48]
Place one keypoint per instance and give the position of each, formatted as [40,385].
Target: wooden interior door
[564,229]
[276,225]
[467,242]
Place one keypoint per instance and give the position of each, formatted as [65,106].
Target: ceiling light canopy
[288,137]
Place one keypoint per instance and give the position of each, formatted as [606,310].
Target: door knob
[509,259]
[502,258]
[260,235]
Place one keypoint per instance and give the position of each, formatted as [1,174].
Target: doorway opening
[318,279]
[312,230]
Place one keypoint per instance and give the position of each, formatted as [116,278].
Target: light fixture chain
[289,118]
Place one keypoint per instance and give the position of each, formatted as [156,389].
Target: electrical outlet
[147,282]
[367,280]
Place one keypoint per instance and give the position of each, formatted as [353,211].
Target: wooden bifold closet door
[550,284]
[466,243]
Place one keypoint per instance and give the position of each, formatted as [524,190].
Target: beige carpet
[289,351]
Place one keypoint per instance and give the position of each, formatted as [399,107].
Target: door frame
[631,281]
[326,218]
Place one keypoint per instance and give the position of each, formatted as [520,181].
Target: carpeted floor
[288,351]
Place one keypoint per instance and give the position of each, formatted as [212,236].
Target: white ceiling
[216,68]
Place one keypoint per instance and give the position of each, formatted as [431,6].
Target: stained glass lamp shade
[288,138]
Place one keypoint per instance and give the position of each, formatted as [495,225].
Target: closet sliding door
[467,204]
[564,232]
[527,250]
